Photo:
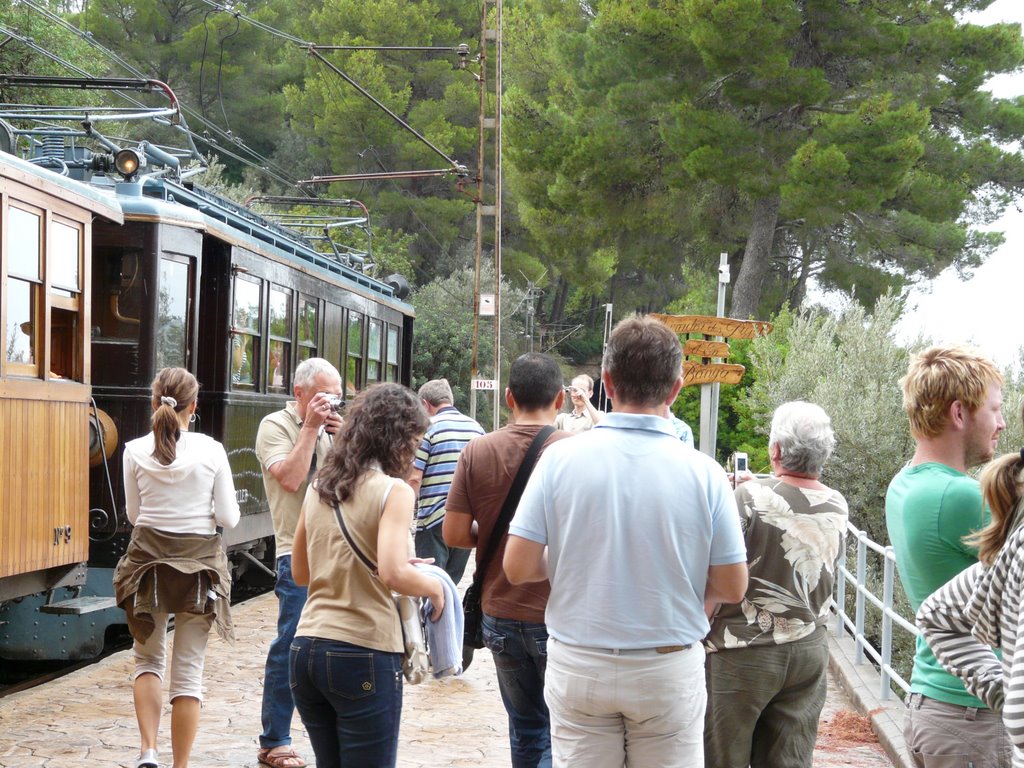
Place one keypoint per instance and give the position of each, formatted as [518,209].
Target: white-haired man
[290,444]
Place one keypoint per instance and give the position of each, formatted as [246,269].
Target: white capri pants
[191,634]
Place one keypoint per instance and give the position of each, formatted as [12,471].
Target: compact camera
[337,403]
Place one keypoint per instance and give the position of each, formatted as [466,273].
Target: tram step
[80,605]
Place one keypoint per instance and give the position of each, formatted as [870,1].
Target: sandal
[283,759]
[147,760]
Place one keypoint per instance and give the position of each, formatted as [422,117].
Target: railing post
[841,591]
[887,570]
[858,620]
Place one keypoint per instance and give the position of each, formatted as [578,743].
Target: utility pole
[491,35]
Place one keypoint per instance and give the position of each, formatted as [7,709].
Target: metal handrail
[855,625]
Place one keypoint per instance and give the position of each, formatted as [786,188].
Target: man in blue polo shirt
[635,532]
[432,474]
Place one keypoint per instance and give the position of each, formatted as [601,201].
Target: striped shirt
[437,457]
[974,613]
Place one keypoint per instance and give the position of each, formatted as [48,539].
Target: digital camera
[336,402]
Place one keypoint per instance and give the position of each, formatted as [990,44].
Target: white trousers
[638,709]
[191,634]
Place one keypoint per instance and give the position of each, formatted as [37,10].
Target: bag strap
[370,565]
[508,508]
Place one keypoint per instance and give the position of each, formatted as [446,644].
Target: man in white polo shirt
[635,531]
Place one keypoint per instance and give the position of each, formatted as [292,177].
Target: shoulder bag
[471,606]
[415,659]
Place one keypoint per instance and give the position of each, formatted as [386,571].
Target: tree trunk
[561,295]
[799,291]
[746,294]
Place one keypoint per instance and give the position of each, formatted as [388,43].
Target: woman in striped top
[981,609]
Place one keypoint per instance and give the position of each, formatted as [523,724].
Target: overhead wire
[268,167]
[255,160]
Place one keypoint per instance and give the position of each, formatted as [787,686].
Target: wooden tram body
[170,275]
[46,226]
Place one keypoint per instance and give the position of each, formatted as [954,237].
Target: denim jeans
[278,706]
[349,699]
[520,658]
[430,543]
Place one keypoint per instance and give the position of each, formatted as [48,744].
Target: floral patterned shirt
[794,537]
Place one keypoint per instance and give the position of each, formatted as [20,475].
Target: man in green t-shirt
[953,399]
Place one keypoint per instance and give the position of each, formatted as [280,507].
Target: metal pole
[603,400]
[474,370]
[497,212]
[709,392]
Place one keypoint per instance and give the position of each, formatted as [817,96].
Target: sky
[986,310]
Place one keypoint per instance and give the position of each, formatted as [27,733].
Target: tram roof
[100,202]
[195,207]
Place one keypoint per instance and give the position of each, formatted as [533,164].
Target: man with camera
[432,473]
[290,445]
[583,415]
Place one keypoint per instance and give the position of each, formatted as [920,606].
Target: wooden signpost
[701,348]
[709,373]
[716,326]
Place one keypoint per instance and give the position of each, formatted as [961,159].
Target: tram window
[245,339]
[373,351]
[354,363]
[308,325]
[392,355]
[24,244]
[22,327]
[65,257]
[279,344]
[23,332]
[172,314]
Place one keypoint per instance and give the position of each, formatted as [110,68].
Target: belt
[662,649]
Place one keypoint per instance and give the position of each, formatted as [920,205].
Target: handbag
[473,635]
[415,658]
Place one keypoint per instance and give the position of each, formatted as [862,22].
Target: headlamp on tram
[127,162]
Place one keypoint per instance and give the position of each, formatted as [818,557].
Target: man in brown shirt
[513,624]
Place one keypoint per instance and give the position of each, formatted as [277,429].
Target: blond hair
[937,378]
[1001,483]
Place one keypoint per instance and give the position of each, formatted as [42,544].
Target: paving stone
[86,717]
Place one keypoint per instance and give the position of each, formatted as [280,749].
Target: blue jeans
[520,658]
[349,699]
[277,696]
[453,560]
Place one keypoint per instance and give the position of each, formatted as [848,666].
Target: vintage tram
[106,278]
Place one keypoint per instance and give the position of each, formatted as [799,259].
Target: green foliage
[849,364]
[444,336]
[19,59]
[848,141]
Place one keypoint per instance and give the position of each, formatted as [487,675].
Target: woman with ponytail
[981,611]
[178,490]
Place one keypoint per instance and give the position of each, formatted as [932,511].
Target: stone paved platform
[86,718]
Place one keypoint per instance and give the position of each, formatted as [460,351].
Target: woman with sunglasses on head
[178,490]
